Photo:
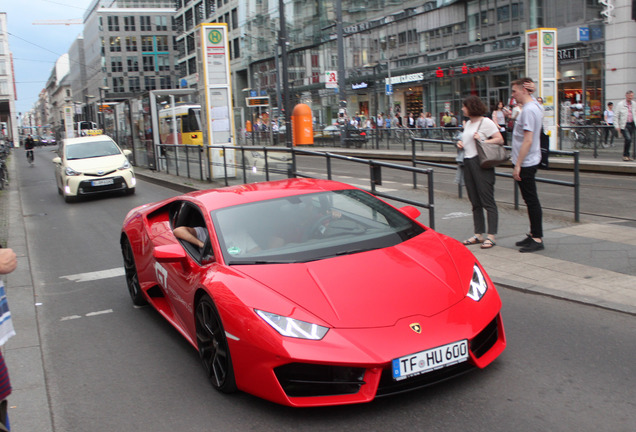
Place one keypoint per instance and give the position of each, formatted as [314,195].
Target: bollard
[302,125]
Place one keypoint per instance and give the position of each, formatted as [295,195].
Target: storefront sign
[359,86]
[470,70]
[331,79]
[568,54]
[406,78]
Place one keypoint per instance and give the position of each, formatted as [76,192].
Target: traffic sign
[389,89]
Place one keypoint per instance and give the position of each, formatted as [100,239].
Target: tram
[188,125]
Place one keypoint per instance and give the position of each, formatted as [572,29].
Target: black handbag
[490,155]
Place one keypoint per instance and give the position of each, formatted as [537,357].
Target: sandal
[472,241]
[488,243]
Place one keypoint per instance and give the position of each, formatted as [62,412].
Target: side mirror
[170,253]
[411,212]
[57,160]
[127,152]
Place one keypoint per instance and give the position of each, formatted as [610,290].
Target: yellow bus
[188,125]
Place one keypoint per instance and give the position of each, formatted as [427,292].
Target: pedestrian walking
[480,182]
[526,157]
[624,121]
[499,117]
[609,131]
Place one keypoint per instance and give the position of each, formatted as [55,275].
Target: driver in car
[197,235]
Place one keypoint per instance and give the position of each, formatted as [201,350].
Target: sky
[36,48]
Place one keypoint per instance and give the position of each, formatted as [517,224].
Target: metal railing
[575,183]
[591,137]
[375,178]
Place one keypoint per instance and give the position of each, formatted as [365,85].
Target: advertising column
[541,66]
[215,92]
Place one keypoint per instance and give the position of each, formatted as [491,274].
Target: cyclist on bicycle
[28,146]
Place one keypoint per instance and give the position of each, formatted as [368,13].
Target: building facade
[8,115]
[127,48]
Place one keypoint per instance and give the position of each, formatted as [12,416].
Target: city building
[8,114]
[127,48]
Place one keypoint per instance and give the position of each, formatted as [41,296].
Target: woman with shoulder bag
[480,182]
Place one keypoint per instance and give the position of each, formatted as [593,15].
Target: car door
[180,278]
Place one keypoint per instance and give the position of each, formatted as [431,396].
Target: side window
[188,224]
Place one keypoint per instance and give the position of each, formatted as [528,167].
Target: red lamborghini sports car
[312,292]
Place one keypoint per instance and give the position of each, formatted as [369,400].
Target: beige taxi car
[92,165]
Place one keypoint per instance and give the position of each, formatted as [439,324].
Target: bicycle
[29,156]
[4,172]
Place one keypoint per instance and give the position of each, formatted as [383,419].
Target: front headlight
[478,285]
[125,166]
[71,172]
[292,327]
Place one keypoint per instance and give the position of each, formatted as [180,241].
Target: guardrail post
[577,213]
[431,200]
[414,161]
[188,160]
[266,164]
[201,163]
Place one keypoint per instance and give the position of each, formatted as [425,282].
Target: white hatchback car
[91,165]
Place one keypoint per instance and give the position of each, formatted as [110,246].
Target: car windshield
[309,227]
[91,149]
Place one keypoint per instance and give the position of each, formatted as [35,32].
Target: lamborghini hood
[375,288]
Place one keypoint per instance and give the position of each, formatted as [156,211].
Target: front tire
[213,348]
[132,278]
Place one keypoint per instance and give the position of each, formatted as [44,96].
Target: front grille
[485,340]
[85,187]
[306,380]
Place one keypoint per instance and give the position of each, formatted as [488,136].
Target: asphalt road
[111,366]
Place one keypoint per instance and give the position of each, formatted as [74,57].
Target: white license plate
[426,361]
[103,182]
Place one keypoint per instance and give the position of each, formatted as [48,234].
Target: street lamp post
[102,90]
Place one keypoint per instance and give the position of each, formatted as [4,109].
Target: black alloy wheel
[132,279]
[213,348]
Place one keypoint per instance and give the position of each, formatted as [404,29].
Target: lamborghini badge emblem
[416,327]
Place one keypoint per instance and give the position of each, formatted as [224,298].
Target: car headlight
[71,172]
[478,285]
[125,166]
[291,327]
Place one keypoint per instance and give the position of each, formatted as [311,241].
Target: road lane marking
[97,275]
[90,314]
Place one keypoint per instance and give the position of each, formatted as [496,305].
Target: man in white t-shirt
[526,156]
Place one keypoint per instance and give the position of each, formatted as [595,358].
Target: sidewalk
[590,263]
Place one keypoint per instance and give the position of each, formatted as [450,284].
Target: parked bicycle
[4,172]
